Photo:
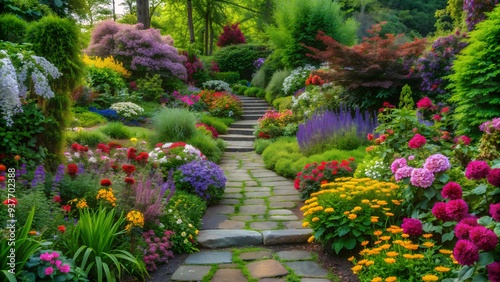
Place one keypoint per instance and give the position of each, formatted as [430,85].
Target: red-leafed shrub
[231,35]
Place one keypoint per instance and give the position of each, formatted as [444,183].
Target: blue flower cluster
[109,114]
[205,178]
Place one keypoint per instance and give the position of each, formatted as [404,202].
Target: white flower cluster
[158,155]
[127,109]
[216,85]
[9,99]
[374,169]
[296,79]
[40,71]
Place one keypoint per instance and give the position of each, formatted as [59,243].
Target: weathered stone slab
[227,265]
[284,217]
[272,280]
[212,221]
[294,255]
[287,236]
[220,209]
[266,269]
[251,183]
[284,198]
[257,189]
[254,202]
[271,178]
[228,275]
[293,225]
[275,183]
[262,174]
[307,269]
[190,273]
[256,255]
[205,257]
[232,196]
[234,184]
[229,202]
[233,190]
[265,225]
[257,194]
[242,217]
[253,209]
[288,191]
[314,280]
[280,212]
[282,205]
[228,238]
[231,224]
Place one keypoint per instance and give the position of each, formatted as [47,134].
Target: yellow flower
[305,224]
[370,262]
[313,199]
[390,260]
[183,234]
[389,214]
[374,219]
[418,256]
[427,236]
[347,212]
[377,279]
[396,202]
[133,140]
[364,243]
[382,203]
[365,201]
[362,262]
[442,269]
[311,239]
[314,219]
[392,254]
[405,235]
[385,238]
[329,210]
[377,233]
[352,216]
[196,232]
[391,279]
[430,278]
[408,256]
[445,252]
[357,208]
[357,268]
[351,258]
[385,246]
[428,244]
[375,206]
[82,203]
[412,247]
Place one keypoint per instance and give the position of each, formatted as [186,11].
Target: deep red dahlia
[106,182]
[452,191]
[494,177]
[466,252]
[72,169]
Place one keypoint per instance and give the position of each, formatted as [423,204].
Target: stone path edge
[222,238]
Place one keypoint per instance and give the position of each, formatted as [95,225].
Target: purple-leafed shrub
[343,128]
[140,50]
[475,11]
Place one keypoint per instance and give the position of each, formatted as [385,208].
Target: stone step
[254,112]
[257,108]
[250,117]
[255,103]
[237,137]
[239,149]
[223,238]
[244,124]
[241,131]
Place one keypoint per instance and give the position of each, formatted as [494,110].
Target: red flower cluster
[425,103]
[177,144]
[57,199]
[103,148]
[11,201]
[66,208]
[264,135]
[61,228]
[386,105]
[128,169]
[417,141]
[212,129]
[131,153]
[142,157]
[106,182]
[129,180]
[72,169]
[114,145]
[314,80]
[79,148]
[2,167]
[462,140]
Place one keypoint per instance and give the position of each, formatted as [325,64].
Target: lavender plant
[343,128]
[204,178]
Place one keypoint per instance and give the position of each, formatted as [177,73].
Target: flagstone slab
[190,273]
[314,280]
[220,209]
[234,184]
[307,269]
[231,224]
[281,205]
[266,269]
[280,212]
[228,275]
[248,256]
[286,236]
[284,198]
[229,202]
[257,189]
[228,238]
[264,225]
[293,225]
[284,217]
[286,191]
[212,221]
[242,217]
[233,190]
[257,194]
[254,202]
[294,255]
[232,196]
[209,257]
[253,209]
[251,184]
[272,280]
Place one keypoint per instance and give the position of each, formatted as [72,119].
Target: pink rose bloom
[417,141]
[49,270]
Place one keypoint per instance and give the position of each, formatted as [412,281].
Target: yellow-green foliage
[108,62]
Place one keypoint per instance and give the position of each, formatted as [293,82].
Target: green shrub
[150,88]
[88,119]
[89,138]
[227,120]
[261,144]
[475,81]
[12,28]
[206,145]
[255,92]
[239,89]
[171,125]
[275,87]
[44,218]
[230,77]
[240,58]
[216,122]
[259,79]
[84,186]
[116,130]
[105,81]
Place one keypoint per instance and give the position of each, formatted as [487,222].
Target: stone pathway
[256,210]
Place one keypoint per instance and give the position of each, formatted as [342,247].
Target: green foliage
[116,130]
[96,247]
[261,144]
[347,140]
[298,22]
[88,119]
[239,89]
[84,186]
[240,58]
[22,138]
[230,77]
[88,138]
[406,100]
[208,146]
[172,125]
[105,81]
[275,87]
[216,122]
[150,88]
[259,78]
[25,247]
[283,103]
[474,82]
[44,217]
[255,92]
[12,28]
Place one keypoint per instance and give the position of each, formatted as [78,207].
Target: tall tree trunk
[143,12]
[211,38]
[114,11]
[190,21]
[207,29]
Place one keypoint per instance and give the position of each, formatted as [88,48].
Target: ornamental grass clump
[397,256]
[347,210]
[203,178]
[340,129]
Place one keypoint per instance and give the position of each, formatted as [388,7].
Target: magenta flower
[457,209]
[483,237]
[494,177]
[452,191]
[417,141]
[422,177]
[403,172]
[494,271]
[477,170]
[65,268]
[466,252]
[49,270]
[495,211]
[424,103]
[437,163]
[464,226]
[397,164]
[439,211]
[412,226]
[46,256]
[462,140]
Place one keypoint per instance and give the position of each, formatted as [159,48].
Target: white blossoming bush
[297,79]
[127,110]
[216,85]
[20,72]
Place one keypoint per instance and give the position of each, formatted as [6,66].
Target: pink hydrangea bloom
[46,256]
[494,177]
[397,164]
[403,172]
[483,237]
[49,270]
[439,211]
[495,211]
[494,271]
[424,103]
[417,141]
[477,170]
[412,226]
[452,191]
[466,252]
[457,209]
[437,163]
[65,268]
[422,177]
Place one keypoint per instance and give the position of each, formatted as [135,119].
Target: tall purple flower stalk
[58,176]
[150,196]
[326,125]
[38,177]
